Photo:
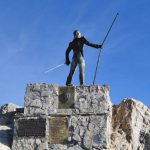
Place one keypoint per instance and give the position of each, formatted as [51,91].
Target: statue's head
[77,34]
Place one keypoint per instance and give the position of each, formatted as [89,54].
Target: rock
[43,97]
[4,146]
[87,141]
[147,141]
[7,113]
[10,107]
[131,125]
[76,137]
[58,147]
[76,147]
[36,103]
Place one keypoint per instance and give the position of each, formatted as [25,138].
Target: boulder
[130,125]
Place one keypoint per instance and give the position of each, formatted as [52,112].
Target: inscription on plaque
[31,127]
[66,97]
[58,130]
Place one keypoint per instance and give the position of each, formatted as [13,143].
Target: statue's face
[78,34]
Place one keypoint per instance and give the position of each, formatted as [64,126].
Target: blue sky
[34,35]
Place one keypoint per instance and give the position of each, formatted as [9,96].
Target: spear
[98,60]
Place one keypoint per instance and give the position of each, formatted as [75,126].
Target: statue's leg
[72,69]
[81,63]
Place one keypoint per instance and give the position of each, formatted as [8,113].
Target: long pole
[98,60]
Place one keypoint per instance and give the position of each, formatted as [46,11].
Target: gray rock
[7,113]
[10,107]
[36,103]
[76,147]
[76,137]
[87,140]
[58,147]
[147,141]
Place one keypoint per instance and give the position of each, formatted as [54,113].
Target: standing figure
[78,58]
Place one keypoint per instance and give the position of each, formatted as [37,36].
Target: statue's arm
[86,42]
[67,54]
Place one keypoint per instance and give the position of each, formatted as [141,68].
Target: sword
[51,69]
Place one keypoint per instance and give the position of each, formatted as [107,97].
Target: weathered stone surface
[91,130]
[64,147]
[41,99]
[90,125]
[86,122]
[30,141]
[92,99]
[29,144]
[76,147]
[131,126]
[7,113]
[10,107]
[146,141]
[58,147]
[50,99]
[66,112]
[5,137]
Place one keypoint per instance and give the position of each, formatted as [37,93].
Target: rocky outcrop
[130,126]
[7,113]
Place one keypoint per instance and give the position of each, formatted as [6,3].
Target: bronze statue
[78,57]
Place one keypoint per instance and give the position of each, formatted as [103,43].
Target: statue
[78,58]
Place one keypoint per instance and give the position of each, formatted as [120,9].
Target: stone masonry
[74,118]
[64,118]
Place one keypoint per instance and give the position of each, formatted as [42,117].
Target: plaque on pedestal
[31,127]
[66,97]
[58,130]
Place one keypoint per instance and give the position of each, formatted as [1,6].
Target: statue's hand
[67,62]
[99,46]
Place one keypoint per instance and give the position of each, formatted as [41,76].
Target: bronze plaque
[66,97]
[32,127]
[58,130]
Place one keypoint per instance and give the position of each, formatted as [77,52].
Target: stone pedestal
[65,118]
[40,99]
[30,133]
